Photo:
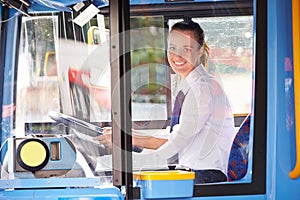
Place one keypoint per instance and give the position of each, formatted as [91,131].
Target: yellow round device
[32,154]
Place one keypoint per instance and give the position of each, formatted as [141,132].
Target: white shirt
[205,132]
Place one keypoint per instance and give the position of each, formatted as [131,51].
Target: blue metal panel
[10,55]
[9,70]
[62,5]
[56,3]
[281,127]
[38,8]
[42,6]
[243,197]
[108,193]
[281,158]
[153,189]
[49,183]
[51,5]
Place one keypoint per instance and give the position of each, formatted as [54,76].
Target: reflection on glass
[37,71]
[148,69]
[231,50]
[60,75]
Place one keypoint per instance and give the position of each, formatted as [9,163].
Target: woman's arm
[148,142]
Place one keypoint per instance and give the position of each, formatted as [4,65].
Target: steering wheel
[73,122]
[89,128]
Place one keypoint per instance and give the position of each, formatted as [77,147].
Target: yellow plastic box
[165,184]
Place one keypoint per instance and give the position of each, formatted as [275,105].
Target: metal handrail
[295,173]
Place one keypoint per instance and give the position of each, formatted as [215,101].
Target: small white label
[86,15]
[78,6]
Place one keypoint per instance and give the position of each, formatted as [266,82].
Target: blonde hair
[205,56]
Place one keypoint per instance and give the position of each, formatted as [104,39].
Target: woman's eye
[187,50]
[172,48]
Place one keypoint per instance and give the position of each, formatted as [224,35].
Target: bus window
[231,51]
[149,72]
[230,42]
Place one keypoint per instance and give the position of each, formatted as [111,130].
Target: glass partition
[149,74]
[62,101]
[37,71]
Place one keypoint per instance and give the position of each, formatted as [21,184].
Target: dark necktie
[176,110]
[175,120]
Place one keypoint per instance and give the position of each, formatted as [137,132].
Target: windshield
[64,93]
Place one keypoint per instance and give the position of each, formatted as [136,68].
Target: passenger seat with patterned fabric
[238,158]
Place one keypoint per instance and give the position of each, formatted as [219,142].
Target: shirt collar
[192,77]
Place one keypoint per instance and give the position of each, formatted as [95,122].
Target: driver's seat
[238,158]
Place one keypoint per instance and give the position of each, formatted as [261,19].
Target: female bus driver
[202,126]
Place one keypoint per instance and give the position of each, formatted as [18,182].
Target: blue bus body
[280,148]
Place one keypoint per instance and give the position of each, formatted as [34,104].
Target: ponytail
[205,55]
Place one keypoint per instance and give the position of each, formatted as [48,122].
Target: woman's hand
[138,140]
[105,139]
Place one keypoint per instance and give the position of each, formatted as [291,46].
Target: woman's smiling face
[183,52]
